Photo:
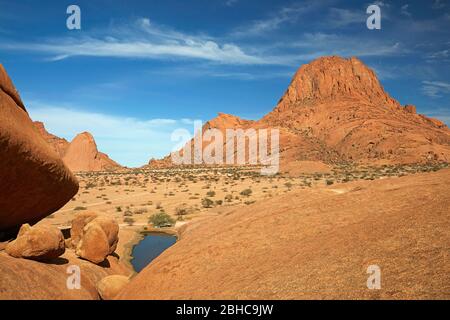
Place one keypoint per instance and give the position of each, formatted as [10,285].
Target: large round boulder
[37,243]
[34,180]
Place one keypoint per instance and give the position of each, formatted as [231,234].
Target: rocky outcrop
[340,107]
[314,244]
[110,286]
[56,272]
[335,78]
[55,279]
[79,155]
[336,111]
[94,236]
[34,180]
[59,145]
[37,243]
[83,155]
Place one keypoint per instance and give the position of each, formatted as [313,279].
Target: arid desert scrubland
[363,182]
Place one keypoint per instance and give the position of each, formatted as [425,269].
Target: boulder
[98,239]
[78,224]
[37,243]
[93,245]
[111,229]
[34,180]
[110,286]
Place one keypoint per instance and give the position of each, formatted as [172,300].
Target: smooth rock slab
[110,286]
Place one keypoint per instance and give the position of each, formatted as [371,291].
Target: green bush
[161,219]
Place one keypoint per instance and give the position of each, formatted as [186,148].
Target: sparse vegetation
[207,203]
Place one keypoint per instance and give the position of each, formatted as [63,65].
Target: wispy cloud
[285,15]
[435,89]
[144,40]
[405,11]
[130,141]
[441,55]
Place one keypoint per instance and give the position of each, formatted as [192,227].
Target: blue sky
[137,70]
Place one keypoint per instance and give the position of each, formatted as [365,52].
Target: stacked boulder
[94,236]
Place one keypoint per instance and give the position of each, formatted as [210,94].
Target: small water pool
[149,248]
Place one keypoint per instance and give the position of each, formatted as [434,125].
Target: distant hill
[81,154]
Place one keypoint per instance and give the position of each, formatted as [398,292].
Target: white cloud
[435,89]
[129,141]
[143,39]
[404,10]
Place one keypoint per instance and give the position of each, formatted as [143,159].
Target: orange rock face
[83,155]
[34,180]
